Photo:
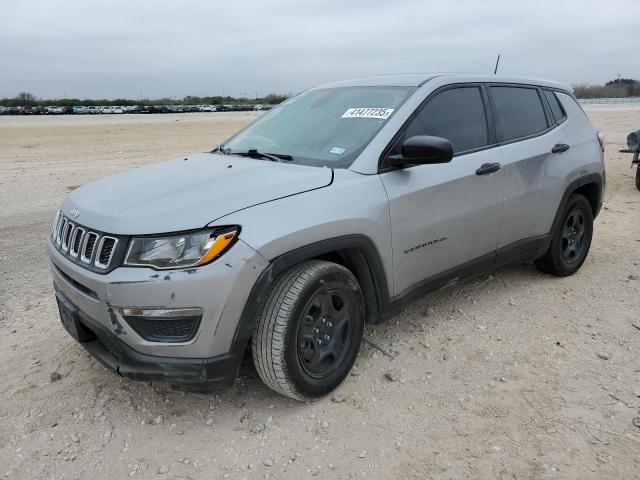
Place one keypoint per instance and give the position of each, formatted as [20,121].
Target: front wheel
[571,240]
[309,330]
[638,177]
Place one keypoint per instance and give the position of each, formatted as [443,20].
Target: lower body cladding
[176,326]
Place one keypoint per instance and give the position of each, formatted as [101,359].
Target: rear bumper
[219,371]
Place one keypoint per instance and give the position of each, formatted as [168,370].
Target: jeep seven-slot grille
[91,248]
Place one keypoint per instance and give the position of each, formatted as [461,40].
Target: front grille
[90,248]
[76,241]
[105,250]
[66,235]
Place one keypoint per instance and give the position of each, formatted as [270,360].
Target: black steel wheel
[571,240]
[323,334]
[638,177]
[573,236]
[309,330]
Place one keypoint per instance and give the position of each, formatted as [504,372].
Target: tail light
[601,140]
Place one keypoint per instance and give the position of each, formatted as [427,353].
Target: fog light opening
[163,325]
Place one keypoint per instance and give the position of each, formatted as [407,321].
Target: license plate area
[70,321]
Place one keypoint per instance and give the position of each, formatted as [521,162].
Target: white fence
[599,101]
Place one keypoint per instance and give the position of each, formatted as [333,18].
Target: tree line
[618,88]
[26,99]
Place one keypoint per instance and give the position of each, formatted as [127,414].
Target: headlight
[179,251]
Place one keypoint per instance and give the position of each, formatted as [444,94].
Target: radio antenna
[495,71]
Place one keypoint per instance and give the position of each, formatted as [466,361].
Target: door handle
[488,168]
[559,148]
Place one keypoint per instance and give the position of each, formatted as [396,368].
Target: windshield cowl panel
[322,127]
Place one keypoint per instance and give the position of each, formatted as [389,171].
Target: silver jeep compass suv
[332,210]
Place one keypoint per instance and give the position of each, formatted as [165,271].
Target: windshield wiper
[253,153]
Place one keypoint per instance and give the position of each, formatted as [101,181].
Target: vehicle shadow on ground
[375,339]
[179,406]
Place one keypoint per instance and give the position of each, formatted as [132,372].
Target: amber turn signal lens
[217,245]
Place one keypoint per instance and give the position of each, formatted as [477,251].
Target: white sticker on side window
[368,112]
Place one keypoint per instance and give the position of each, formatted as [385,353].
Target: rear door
[527,130]
[445,218]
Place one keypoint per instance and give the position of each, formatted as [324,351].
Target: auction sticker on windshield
[368,112]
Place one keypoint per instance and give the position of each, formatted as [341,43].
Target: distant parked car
[3,110]
[55,110]
[15,110]
[80,110]
[162,109]
[131,109]
[112,110]
[33,110]
[94,109]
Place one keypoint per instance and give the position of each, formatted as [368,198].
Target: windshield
[326,127]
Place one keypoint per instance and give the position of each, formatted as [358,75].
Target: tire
[571,240]
[309,330]
[638,178]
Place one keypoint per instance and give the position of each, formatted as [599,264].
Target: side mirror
[423,150]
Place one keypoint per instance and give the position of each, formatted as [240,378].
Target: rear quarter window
[571,106]
[556,108]
[519,112]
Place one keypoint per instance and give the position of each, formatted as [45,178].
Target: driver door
[445,218]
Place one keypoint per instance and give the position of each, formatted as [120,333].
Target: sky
[161,48]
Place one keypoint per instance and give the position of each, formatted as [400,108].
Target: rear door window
[519,112]
[556,108]
[456,114]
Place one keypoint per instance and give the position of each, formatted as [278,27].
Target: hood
[187,193]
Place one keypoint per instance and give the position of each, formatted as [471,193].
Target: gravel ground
[512,375]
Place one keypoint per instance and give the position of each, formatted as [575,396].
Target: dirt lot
[513,375]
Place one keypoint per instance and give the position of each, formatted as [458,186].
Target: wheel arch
[592,191]
[590,186]
[356,252]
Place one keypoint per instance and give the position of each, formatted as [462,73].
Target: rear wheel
[638,177]
[309,330]
[571,240]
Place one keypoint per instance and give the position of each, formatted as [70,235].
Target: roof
[419,79]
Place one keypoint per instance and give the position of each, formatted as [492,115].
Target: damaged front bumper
[117,356]
[219,290]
